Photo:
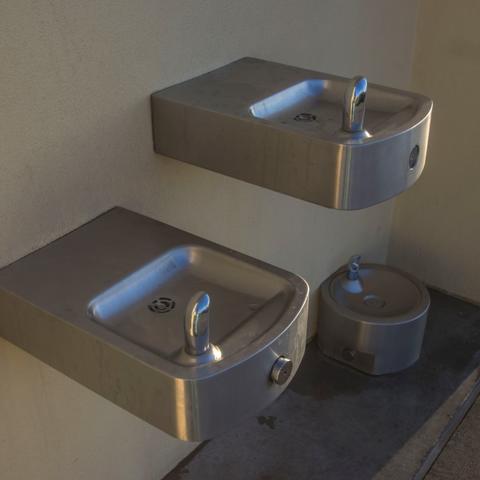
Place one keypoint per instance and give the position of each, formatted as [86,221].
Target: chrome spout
[354,105]
[353,267]
[197,328]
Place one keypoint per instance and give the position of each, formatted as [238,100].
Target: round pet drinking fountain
[372,317]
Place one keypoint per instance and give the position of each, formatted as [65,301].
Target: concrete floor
[460,460]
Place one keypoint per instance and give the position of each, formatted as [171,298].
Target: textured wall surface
[76,140]
[436,228]
[54,428]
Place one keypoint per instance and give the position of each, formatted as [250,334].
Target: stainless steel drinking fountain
[186,334]
[372,317]
[337,142]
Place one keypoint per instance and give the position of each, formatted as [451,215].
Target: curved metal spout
[354,105]
[197,330]
[354,267]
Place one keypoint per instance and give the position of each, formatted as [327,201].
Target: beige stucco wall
[75,140]
[436,231]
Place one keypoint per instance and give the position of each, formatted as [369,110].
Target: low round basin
[376,322]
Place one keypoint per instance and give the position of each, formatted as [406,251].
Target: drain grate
[305,117]
[162,305]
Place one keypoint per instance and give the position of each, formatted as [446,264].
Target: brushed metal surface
[281,127]
[375,321]
[73,304]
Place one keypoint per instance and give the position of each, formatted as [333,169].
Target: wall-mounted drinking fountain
[186,334]
[329,140]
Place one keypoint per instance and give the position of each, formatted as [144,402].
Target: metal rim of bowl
[420,309]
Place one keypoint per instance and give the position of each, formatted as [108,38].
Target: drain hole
[305,117]
[374,301]
[162,305]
